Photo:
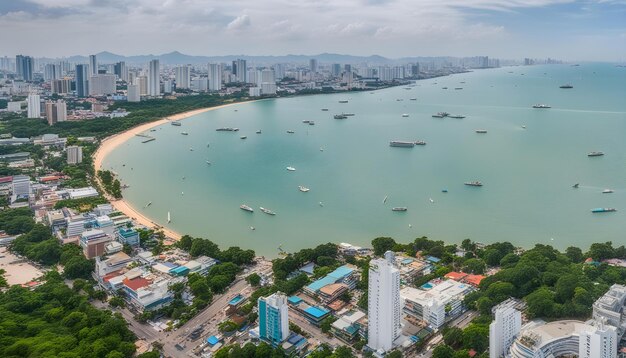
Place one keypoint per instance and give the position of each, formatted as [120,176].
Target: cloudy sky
[575,30]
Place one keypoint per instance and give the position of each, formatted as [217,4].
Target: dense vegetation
[83,204]
[55,321]
[141,112]
[324,256]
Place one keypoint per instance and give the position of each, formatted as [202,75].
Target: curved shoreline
[109,144]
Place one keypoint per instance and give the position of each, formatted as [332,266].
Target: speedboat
[245,207]
[267,211]
[303,189]
[291,169]
[399,208]
[603,210]
[473,183]
[258,132]
[595,154]
[184,133]
[607,191]
[243,137]
[541,106]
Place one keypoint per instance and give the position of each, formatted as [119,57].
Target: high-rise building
[240,70]
[121,71]
[20,186]
[93,65]
[182,75]
[336,69]
[24,66]
[62,86]
[598,341]
[132,93]
[142,81]
[279,71]
[383,306]
[273,318]
[82,80]
[504,328]
[313,65]
[267,82]
[34,105]
[215,77]
[74,154]
[415,69]
[167,86]
[102,84]
[154,78]
[51,72]
[56,112]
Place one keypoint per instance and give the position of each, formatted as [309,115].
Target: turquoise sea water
[527,174]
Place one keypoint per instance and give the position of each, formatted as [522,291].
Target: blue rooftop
[433,259]
[212,340]
[316,312]
[294,300]
[180,270]
[407,261]
[333,277]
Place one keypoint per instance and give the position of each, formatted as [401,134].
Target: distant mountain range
[176,57]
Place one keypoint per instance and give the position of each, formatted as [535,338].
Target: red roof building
[457,276]
[474,280]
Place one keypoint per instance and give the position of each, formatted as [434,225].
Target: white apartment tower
[132,93]
[504,328]
[383,306]
[34,105]
[598,341]
[215,77]
[154,76]
[74,154]
[183,76]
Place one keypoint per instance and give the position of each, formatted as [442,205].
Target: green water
[527,174]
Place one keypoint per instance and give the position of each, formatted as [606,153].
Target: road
[461,322]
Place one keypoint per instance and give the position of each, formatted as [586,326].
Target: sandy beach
[18,271]
[110,143]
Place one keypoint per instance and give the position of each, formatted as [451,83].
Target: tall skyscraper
[182,75]
[121,71]
[93,65]
[240,70]
[313,65]
[74,154]
[383,305]
[51,72]
[34,105]
[82,81]
[132,93]
[336,69]
[154,78]
[267,82]
[102,84]
[273,318]
[279,71]
[142,81]
[24,66]
[504,328]
[215,77]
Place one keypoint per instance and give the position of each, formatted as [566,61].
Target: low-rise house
[345,274]
[127,236]
[351,326]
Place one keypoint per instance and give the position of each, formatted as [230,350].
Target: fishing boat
[321,204]
[184,133]
[566,86]
[321,149]
[258,132]
[431,200]
[595,154]
[399,208]
[607,191]
[473,183]
[267,211]
[243,137]
[482,131]
[541,106]
[325,109]
[444,190]
[343,101]
[303,189]
[291,169]
[405,115]
[177,124]
[603,210]
[245,207]
[458,88]
[575,186]
[413,99]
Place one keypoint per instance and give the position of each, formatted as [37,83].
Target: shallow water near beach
[527,173]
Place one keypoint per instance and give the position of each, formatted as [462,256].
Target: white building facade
[384,309]
[504,328]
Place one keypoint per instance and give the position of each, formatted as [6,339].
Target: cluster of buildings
[598,337]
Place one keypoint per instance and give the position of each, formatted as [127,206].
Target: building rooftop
[458,276]
[332,288]
[136,283]
[316,312]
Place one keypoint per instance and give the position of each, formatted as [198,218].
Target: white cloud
[239,23]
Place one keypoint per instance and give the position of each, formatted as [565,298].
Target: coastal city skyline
[572,30]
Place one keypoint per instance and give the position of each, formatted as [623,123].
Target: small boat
[402,144]
[340,116]
[444,190]
[444,87]
[399,208]
[481,131]
[575,186]
[321,149]
[325,109]
[291,169]
[399,100]
[245,207]
[184,178]
[190,149]
[208,145]
[541,106]
[420,142]
[243,137]
[258,132]
[348,114]
[458,88]
[169,217]
[405,115]
[149,203]
[413,99]
[607,191]
[227,129]
[473,183]
[603,210]
[290,132]
[267,211]
[182,193]
[385,199]
[524,127]
[343,101]
[456,116]
[184,133]
[306,121]
[431,200]
[177,124]
[252,228]
[303,189]
[595,154]
[441,115]
[566,86]
[321,204]
[311,123]
[209,163]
